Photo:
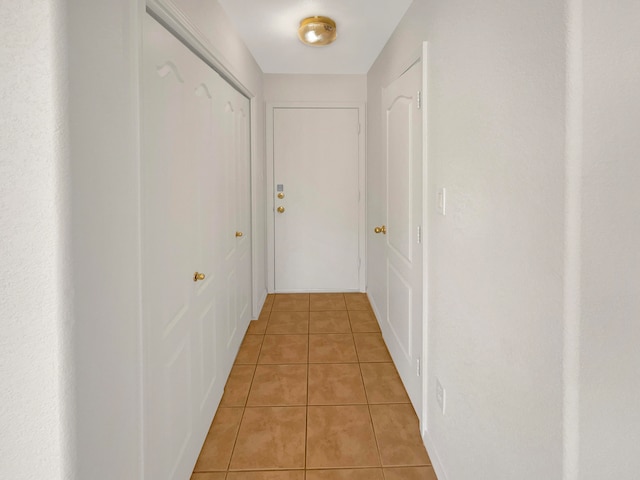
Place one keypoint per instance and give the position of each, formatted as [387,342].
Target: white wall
[71,345]
[495,101]
[33,375]
[610,322]
[315,88]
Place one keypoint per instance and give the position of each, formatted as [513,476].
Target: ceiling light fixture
[317,31]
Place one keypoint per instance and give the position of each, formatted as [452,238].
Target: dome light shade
[317,31]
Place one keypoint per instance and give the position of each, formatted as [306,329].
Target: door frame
[426,193]
[270,111]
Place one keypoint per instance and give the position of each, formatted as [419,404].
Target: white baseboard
[433,455]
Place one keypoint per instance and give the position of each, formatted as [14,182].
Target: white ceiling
[269,29]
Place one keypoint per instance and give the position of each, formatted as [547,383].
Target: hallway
[314,392]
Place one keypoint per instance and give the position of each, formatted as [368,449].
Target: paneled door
[402,233]
[195,270]
[317,199]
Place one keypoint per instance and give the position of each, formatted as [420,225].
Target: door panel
[399,118]
[403,323]
[316,161]
[190,209]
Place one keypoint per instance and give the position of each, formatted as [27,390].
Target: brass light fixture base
[317,31]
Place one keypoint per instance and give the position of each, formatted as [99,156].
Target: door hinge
[419,234]
[419,99]
[358,129]
[418,366]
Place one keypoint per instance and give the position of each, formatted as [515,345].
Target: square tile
[288,322]
[340,437]
[208,476]
[249,349]
[270,438]
[335,384]
[218,445]
[383,384]
[363,321]
[279,385]
[409,473]
[319,302]
[268,302]
[237,388]
[398,435]
[258,327]
[284,349]
[371,347]
[356,474]
[357,301]
[331,348]
[291,302]
[329,322]
[281,475]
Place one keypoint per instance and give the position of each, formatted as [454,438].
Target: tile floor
[314,395]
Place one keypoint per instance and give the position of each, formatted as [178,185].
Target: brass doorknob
[281,195]
[198,276]
[280,209]
[382,229]
[239,234]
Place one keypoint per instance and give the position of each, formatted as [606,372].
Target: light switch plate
[442,201]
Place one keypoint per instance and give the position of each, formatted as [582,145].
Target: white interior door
[191,176]
[404,250]
[317,220]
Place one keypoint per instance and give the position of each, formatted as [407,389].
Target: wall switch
[442,201]
[440,395]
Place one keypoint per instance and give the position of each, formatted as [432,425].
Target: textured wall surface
[495,100]
[315,88]
[31,373]
[610,288]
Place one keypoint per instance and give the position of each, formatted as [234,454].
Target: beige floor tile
[218,445]
[329,322]
[237,388]
[258,327]
[340,437]
[371,347]
[335,384]
[326,301]
[357,301]
[331,348]
[284,349]
[383,383]
[274,475]
[354,474]
[398,435]
[363,321]
[291,302]
[409,473]
[279,385]
[270,438]
[268,302]
[288,322]
[250,349]
[208,476]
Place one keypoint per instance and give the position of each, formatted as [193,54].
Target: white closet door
[404,249]
[243,209]
[191,174]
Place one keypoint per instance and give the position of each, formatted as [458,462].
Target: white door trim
[270,108]
[426,193]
